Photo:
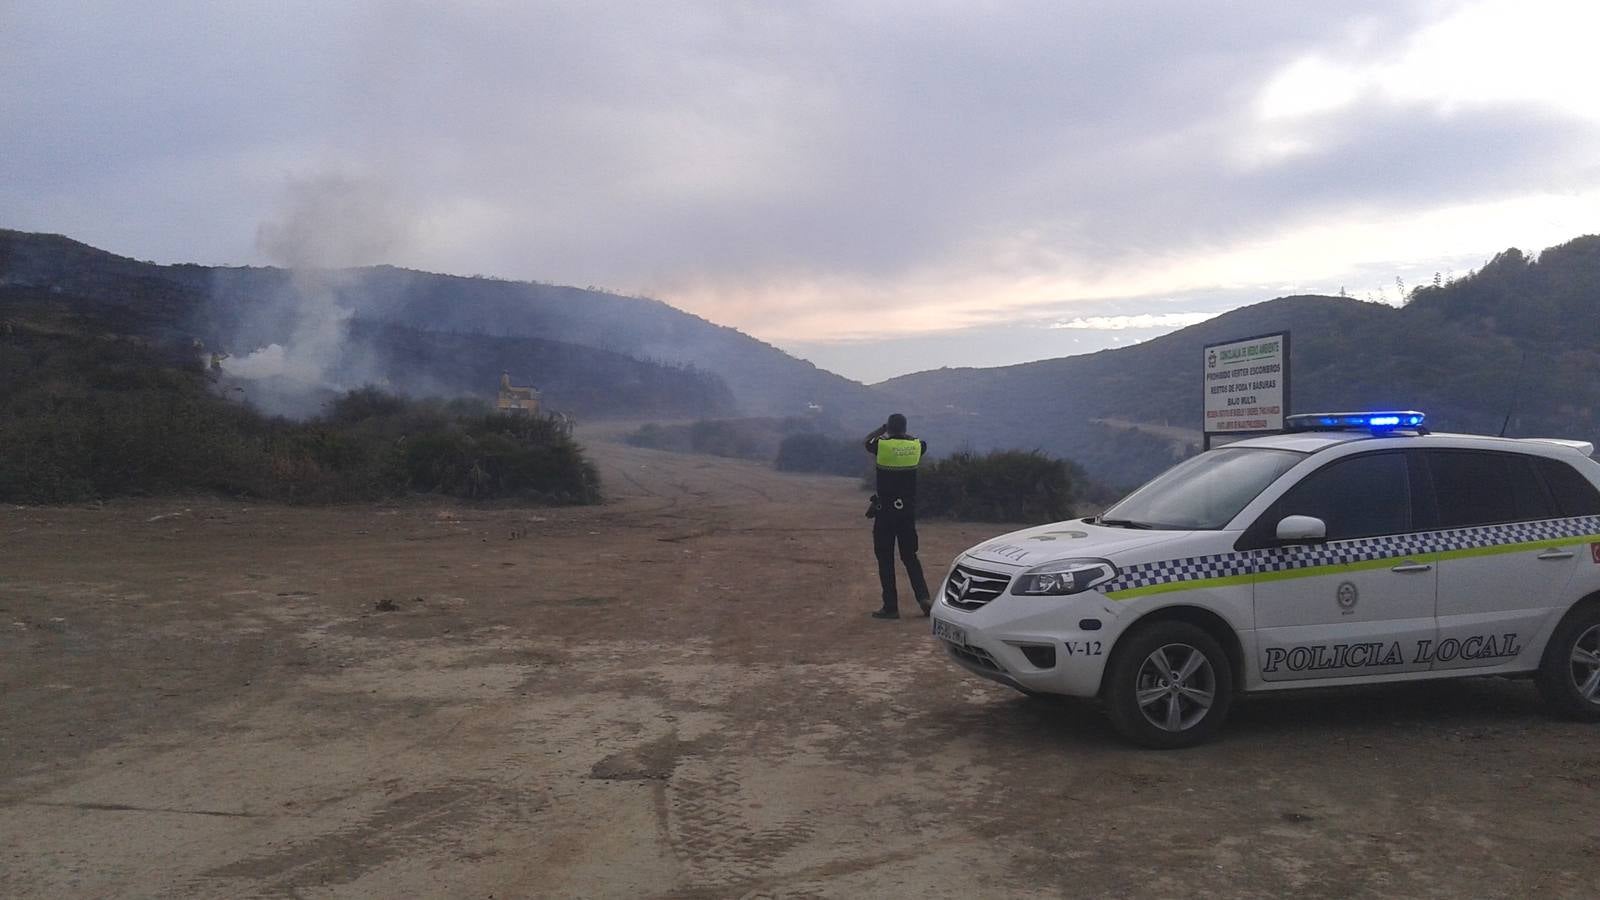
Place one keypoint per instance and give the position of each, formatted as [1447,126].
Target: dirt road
[678,694]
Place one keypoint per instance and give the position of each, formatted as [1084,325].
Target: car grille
[972,588]
[977,656]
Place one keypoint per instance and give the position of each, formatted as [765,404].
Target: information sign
[1247,385]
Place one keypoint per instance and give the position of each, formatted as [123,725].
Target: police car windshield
[1204,492]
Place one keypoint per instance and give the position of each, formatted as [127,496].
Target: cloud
[1144,320]
[808,172]
[1490,53]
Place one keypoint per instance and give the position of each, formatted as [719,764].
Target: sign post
[1246,386]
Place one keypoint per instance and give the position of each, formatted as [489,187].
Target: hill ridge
[1521,335]
[243,308]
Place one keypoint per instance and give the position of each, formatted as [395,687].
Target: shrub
[810,452]
[754,439]
[362,404]
[659,437]
[95,417]
[496,456]
[724,437]
[1004,486]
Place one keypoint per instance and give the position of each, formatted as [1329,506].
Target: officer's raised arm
[871,442]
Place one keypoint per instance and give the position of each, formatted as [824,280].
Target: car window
[1480,487]
[1529,497]
[1362,496]
[1205,491]
[1574,494]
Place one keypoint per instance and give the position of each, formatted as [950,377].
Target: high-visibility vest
[899,453]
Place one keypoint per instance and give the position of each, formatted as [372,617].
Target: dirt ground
[678,694]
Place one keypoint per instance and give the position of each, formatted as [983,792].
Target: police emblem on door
[1347,595]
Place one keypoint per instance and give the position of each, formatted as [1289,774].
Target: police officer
[898,455]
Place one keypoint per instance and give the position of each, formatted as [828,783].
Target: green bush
[93,417]
[722,437]
[751,438]
[660,437]
[1004,486]
[495,456]
[810,452]
[363,404]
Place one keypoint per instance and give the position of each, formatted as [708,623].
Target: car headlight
[1064,576]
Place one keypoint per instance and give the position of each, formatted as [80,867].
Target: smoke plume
[327,225]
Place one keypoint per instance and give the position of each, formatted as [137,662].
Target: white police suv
[1356,548]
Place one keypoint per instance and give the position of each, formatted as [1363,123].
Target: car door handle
[1556,553]
[1413,567]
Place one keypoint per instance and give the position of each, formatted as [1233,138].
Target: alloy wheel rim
[1176,686]
[1586,665]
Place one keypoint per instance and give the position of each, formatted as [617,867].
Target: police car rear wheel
[1170,686]
[1569,678]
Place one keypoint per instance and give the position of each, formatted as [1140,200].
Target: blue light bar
[1380,421]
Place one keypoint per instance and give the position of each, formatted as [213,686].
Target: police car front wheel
[1569,677]
[1170,685]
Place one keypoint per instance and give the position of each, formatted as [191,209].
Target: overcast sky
[880,187]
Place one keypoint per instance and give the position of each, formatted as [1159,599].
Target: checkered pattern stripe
[1515,533]
[1193,568]
[1283,559]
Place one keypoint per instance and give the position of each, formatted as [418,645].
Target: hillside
[89,413]
[239,310]
[419,362]
[413,362]
[1520,336]
[1456,351]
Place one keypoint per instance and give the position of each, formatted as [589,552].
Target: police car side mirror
[1302,530]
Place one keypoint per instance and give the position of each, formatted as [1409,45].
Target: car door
[1361,603]
[1506,555]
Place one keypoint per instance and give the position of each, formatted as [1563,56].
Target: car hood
[1064,540]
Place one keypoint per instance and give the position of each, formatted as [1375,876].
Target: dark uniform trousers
[896,527]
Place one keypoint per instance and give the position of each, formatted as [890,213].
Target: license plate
[944,631]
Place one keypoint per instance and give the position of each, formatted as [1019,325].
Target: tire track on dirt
[420,822]
[617,470]
[711,831]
